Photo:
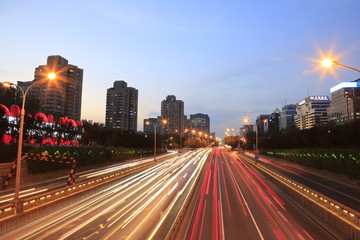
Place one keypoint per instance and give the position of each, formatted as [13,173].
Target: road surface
[235,202]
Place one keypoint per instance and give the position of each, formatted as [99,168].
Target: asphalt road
[340,191]
[143,205]
[235,202]
[58,182]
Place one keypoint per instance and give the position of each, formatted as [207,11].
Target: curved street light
[17,202]
[328,63]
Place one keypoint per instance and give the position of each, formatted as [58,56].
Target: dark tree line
[96,134]
[10,96]
[330,136]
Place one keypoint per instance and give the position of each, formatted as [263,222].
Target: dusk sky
[227,59]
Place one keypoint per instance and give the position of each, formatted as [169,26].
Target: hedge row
[83,155]
[343,161]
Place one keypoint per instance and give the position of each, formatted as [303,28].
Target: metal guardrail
[345,213]
[8,210]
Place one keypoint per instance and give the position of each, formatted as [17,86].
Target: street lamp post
[329,63]
[164,121]
[246,121]
[17,202]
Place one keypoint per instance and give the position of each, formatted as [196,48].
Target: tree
[7,95]
[232,141]
[194,143]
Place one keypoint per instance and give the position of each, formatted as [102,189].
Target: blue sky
[227,59]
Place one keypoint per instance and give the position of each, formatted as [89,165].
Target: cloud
[277,59]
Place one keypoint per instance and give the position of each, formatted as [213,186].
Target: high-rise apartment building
[121,107]
[287,117]
[62,96]
[173,111]
[345,104]
[311,112]
[200,122]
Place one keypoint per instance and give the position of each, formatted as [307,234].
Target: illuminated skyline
[227,59]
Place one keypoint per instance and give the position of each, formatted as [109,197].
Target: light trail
[22,194]
[234,200]
[143,200]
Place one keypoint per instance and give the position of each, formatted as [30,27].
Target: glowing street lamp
[328,63]
[17,202]
[164,121]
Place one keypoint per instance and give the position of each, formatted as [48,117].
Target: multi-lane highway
[226,198]
[342,192]
[234,202]
[54,183]
[140,206]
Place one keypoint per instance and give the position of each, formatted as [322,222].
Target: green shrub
[343,161]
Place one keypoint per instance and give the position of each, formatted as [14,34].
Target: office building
[121,107]
[173,111]
[62,96]
[261,123]
[200,122]
[287,117]
[273,122]
[311,112]
[345,104]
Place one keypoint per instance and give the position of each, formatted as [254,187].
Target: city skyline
[230,60]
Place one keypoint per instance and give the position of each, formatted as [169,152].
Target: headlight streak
[104,203]
[148,193]
[51,224]
[152,234]
[83,213]
[75,229]
[150,200]
[138,226]
[196,173]
[107,194]
[70,213]
[164,216]
[122,166]
[136,200]
[23,195]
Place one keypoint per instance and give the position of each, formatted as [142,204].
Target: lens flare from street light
[51,76]
[327,62]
